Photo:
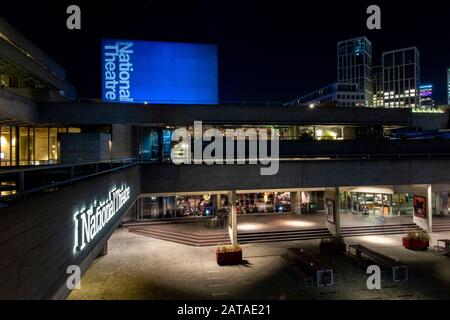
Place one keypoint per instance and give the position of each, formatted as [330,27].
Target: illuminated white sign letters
[89,222]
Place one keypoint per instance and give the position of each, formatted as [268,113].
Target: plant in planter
[416,240]
[332,246]
[229,254]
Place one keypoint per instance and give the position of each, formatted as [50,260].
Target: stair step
[284,231]
[387,226]
[283,235]
[185,234]
[139,223]
[180,236]
[268,239]
[188,242]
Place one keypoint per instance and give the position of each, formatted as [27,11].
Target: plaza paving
[139,267]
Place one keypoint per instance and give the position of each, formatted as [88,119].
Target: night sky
[273,51]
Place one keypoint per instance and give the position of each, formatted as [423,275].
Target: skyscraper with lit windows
[401,78]
[354,65]
[448,85]
[426,96]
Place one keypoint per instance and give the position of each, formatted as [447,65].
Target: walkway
[138,267]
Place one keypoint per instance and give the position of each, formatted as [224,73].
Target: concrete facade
[76,147]
[37,238]
[16,108]
[182,115]
[122,142]
[160,178]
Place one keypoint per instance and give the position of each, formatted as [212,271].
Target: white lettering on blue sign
[89,222]
[118,68]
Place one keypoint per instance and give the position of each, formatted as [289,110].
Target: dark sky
[272,51]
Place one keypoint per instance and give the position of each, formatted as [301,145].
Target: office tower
[426,95]
[448,85]
[377,86]
[401,78]
[354,64]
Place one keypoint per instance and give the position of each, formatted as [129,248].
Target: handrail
[20,176]
[5,170]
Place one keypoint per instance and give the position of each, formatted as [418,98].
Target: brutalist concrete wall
[16,107]
[37,235]
[77,147]
[430,121]
[121,146]
[160,178]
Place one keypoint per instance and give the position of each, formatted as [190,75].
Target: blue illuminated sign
[159,72]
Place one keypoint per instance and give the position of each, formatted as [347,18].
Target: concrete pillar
[333,194]
[337,219]
[429,208]
[437,203]
[217,202]
[232,225]
[444,197]
[296,201]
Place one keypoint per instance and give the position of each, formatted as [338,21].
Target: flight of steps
[140,223]
[282,235]
[441,225]
[386,229]
[187,238]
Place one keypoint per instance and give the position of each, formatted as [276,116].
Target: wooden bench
[394,269]
[320,271]
[297,272]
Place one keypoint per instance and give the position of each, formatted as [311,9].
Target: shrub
[229,248]
[418,235]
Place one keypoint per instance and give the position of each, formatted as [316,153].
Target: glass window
[24,146]
[74,130]
[41,140]
[53,140]
[5,146]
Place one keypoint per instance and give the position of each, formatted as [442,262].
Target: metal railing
[17,182]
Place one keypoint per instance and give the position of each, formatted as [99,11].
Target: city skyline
[260,56]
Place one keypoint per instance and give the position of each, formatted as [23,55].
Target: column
[337,219]
[232,225]
[429,208]
[296,201]
[444,196]
[217,203]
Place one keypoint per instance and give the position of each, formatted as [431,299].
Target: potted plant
[332,246]
[416,240]
[229,254]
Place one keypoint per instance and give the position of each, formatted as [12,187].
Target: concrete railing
[20,181]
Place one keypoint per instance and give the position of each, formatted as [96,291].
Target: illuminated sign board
[89,222]
[159,72]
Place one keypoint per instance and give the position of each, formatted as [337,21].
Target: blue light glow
[159,72]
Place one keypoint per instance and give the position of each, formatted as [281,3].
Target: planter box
[228,258]
[332,248]
[416,244]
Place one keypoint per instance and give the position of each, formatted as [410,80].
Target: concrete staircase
[282,235]
[386,229]
[187,238]
[140,223]
[160,230]
[441,225]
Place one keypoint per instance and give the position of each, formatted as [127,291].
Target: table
[397,270]
[321,271]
